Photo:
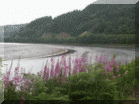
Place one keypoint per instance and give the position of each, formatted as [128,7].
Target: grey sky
[20,12]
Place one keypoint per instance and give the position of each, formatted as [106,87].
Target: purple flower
[100,59]
[91,57]
[117,67]
[113,76]
[119,75]
[117,70]
[16,68]
[102,72]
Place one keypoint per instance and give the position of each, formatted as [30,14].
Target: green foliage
[114,55]
[43,96]
[88,98]
[83,86]
[63,91]
[53,96]
[65,97]
[106,95]
[77,95]
[39,84]
[77,81]
[1,84]
[10,93]
[98,76]
[98,65]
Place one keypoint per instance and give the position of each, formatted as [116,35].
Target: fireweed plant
[105,81]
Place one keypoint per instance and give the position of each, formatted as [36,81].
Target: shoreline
[53,54]
[87,45]
[115,46]
[90,45]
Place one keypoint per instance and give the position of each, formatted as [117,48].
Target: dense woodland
[97,23]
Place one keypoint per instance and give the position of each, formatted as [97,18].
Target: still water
[35,56]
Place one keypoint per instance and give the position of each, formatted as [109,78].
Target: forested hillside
[97,23]
[9,30]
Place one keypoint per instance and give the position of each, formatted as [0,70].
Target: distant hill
[8,30]
[94,19]
[94,16]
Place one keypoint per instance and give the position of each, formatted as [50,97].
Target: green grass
[84,83]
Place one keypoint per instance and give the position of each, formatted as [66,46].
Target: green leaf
[106,96]
[113,83]
[133,82]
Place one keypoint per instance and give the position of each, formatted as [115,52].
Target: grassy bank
[109,81]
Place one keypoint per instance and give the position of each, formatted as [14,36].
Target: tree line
[97,23]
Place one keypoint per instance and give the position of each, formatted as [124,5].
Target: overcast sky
[24,11]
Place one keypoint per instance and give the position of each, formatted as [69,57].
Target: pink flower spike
[51,59]
[83,59]
[126,61]
[110,69]
[107,79]
[113,76]
[57,68]
[112,62]
[64,79]
[102,72]
[119,75]
[16,68]
[104,59]
[8,73]
[57,81]
[41,72]
[117,71]
[62,56]
[90,57]
[117,67]
[100,59]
